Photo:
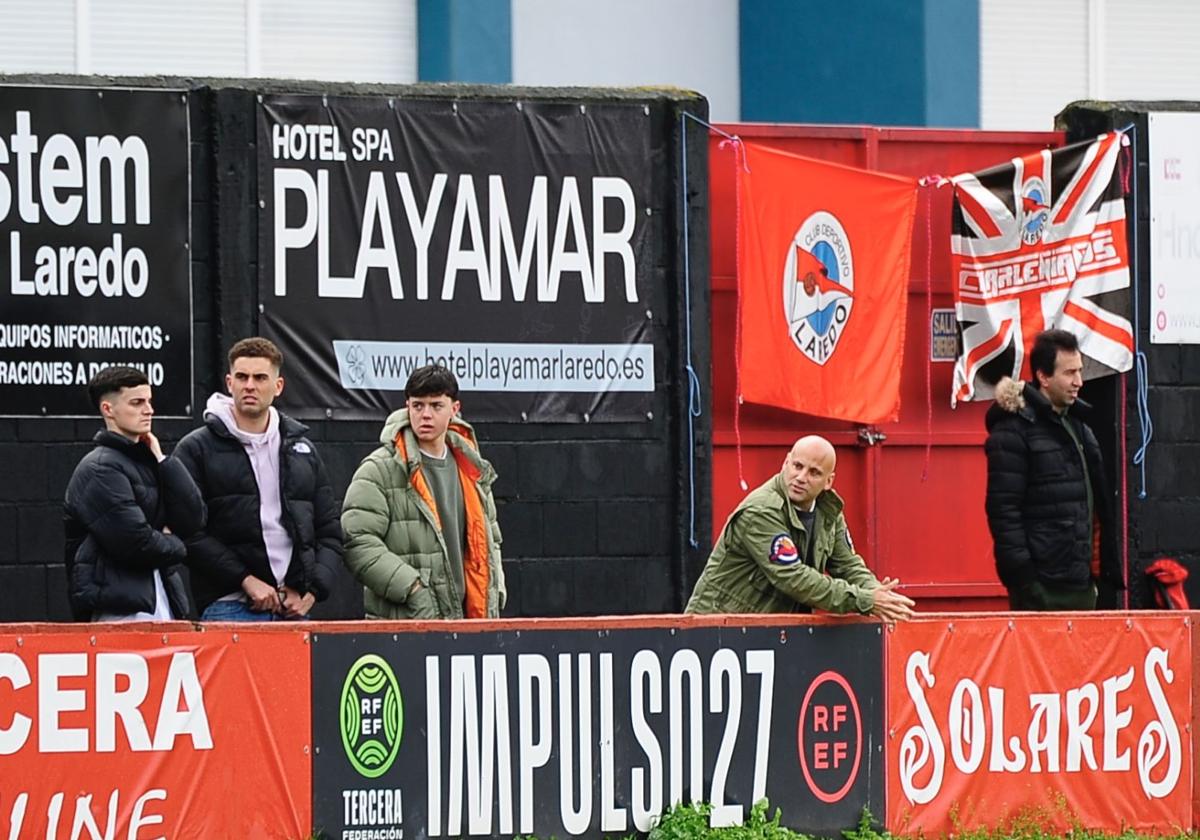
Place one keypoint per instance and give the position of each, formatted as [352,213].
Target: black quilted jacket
[231,545]
[118,501]
[1037,505]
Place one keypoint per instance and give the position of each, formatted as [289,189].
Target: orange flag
[823,260]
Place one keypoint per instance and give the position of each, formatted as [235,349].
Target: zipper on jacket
[289,522]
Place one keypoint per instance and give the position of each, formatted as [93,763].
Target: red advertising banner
[1062,719]
[155,734]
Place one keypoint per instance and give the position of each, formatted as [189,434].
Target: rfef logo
[372,716]
[829,737]
[818,285]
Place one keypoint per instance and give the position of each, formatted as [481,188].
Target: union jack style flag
[1039,243]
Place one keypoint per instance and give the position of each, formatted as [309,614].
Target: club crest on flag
[1035,211]
[818,285]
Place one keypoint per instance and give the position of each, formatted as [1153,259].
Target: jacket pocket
[1050,539]
[1049,460]
[421,604]
[125,590]
[1052,548]
[308,568]
[87,578]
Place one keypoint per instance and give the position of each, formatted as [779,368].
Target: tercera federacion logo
[372,716]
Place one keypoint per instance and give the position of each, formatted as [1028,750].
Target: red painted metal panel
[915,516]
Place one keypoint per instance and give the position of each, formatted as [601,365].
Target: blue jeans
[235,611]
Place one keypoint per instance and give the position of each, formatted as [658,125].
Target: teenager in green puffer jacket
[419,517]
[786,549]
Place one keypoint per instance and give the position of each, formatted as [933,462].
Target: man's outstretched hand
[890,606]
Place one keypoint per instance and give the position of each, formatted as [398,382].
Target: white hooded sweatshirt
[263,451]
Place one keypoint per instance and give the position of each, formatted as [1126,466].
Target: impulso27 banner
[1066,719]
[506,240]
[593,733]
[94,245]
[179,735]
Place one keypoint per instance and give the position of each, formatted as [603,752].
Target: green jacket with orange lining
[394,533]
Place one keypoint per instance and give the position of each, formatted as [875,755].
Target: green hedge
[690,822]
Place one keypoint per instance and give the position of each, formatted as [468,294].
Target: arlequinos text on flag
[984,280]
[818,286]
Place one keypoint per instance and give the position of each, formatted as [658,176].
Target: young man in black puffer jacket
[1048,503]
[273,543]
[127,511]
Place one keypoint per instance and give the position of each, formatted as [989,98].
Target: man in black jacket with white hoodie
[127,510]
[273,543]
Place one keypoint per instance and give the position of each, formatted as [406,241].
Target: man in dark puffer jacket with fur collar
[1048,504]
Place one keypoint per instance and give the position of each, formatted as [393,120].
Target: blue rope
[695,405]
[1141,365]
[695,402]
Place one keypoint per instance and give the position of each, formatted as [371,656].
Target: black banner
[506,240]
[94,229]
[593,732]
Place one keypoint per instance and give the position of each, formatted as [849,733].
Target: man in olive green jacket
[419,517]
[786,549]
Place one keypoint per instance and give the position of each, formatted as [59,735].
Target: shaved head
[817,446]
[808,469]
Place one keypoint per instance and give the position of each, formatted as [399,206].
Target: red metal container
[914,497]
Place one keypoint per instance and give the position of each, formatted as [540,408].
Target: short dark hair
[256,348]
[431,381]
[110,380]
[1046,346]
